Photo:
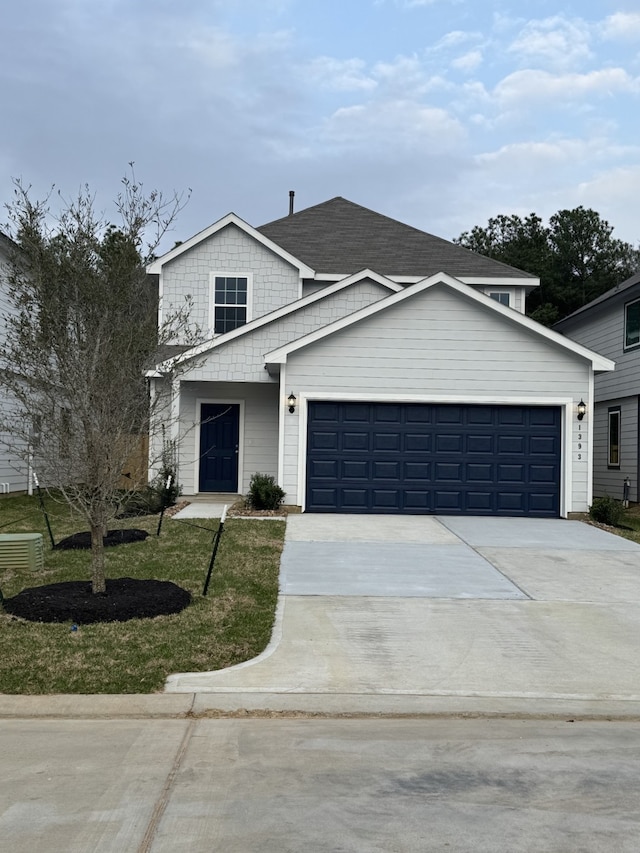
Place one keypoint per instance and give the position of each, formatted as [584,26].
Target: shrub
[607,510]
[264,492]
[153,498]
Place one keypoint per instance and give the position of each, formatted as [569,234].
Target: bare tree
[81,331]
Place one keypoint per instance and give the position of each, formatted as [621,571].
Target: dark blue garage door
[424,458]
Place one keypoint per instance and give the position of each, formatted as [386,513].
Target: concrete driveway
[412,607]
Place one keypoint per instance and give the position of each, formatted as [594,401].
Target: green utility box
[21,551]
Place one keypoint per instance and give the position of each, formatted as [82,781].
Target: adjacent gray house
[13,471]
[610,324]
[371,367]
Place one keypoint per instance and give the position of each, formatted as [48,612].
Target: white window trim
[212,295]
[625,345]
[614,410]
[508,290]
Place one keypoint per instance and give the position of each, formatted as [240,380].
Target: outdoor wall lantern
[291,400]
[582,408]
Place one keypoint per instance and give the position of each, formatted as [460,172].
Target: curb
[248,704]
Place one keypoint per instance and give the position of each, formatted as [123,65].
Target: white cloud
[556,43]
[622,26]
[525,87]
[393,127]
[468,62]
[614,194]
[339,74]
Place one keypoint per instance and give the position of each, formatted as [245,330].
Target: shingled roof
[620,290]
[341,237]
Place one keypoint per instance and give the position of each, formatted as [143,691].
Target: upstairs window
[500,296]
[632,324]
[614,438]
[230,302]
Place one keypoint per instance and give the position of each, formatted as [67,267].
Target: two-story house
[371,367]
[13,470]
[610,324]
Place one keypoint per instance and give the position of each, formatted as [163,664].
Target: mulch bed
[125,598]
[82,541]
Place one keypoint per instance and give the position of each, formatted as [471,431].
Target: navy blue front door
[430,458]
[219,437]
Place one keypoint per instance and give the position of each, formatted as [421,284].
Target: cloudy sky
[440,113]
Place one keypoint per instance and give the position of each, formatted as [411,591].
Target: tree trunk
[98,580]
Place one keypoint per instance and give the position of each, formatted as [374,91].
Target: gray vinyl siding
[242,359]
[260,443]
[610,481]
[275,282]
[13,471]
[439,344]
[603,331]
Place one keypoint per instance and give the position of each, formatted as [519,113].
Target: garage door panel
[417,500]
[480,502]
[423,458]
[357,413]
[542,474]
[542,446]
[324,468]
[449,443]
[480,472]
[480,415]
[511,473]
[357,441]
[542,503]
[417,471]
[415,443]
[480,444]
[324,441]
[354,499]
[386,441]
[451,471]
[387,499]
[326,499]
[355,470]
[512,416]
[449,414]
[512,445]
[447,501]
[386,471]
[511,502]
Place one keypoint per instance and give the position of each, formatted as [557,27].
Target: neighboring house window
[64,437]
[230,302]
[614,438]
[632,324]
[500,296]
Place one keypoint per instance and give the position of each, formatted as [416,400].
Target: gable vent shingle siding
[340,237]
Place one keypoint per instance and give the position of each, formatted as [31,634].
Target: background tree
[575,256]
[81,332]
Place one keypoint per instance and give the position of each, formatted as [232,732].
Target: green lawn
[232,624]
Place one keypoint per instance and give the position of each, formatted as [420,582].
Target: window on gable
[230,303]
[500,296]
[632,324]
[613,460]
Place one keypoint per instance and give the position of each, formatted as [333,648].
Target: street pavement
[462,685]
[321,785]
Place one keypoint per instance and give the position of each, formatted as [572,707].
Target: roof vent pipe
[291,195]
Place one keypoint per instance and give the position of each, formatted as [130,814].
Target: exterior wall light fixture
[582,408]
[291,401]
